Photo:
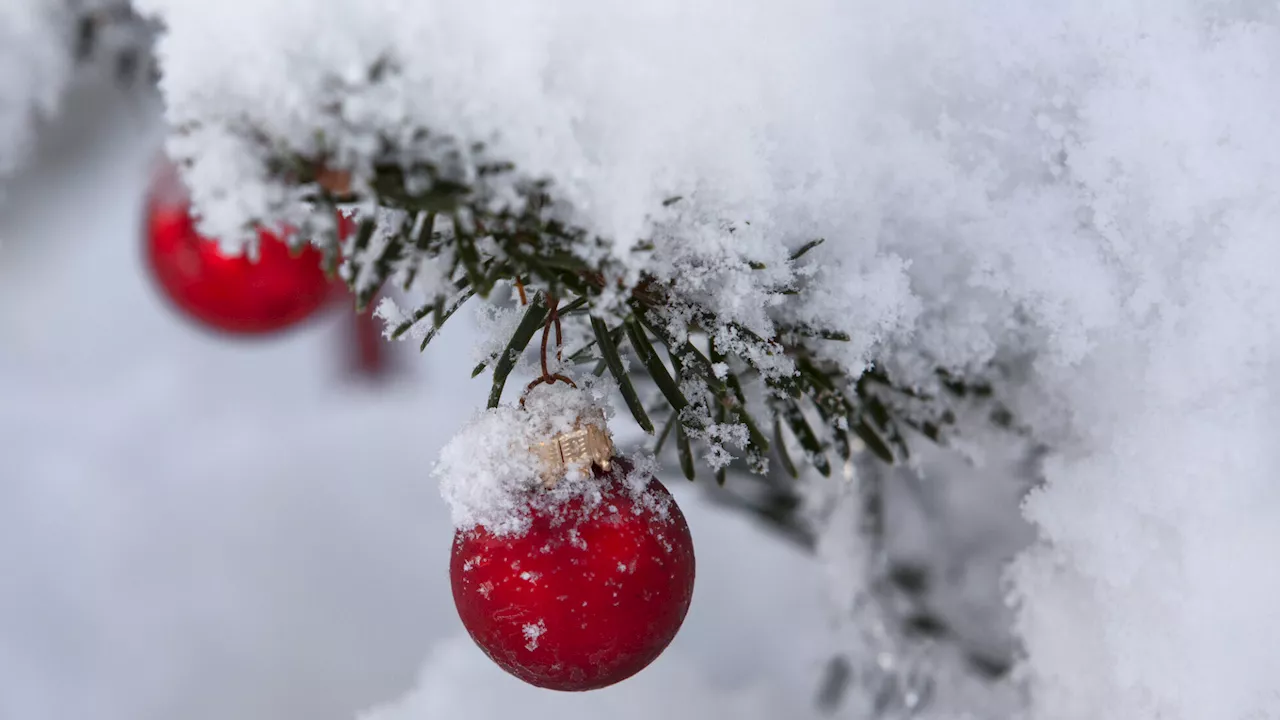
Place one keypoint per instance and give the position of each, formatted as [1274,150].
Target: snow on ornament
[233,294]
[572,568]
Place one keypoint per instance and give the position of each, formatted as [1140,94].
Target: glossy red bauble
[579,603]
[232,294]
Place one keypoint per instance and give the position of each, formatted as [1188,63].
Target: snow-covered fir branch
[454,200]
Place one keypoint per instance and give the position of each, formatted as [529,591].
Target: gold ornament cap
[587,444]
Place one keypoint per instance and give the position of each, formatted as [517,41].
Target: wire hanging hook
[548,377]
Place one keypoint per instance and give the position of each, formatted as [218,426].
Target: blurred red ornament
[232,294]
[369,358]
[586,597]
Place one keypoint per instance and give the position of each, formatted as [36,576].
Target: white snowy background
[202,529]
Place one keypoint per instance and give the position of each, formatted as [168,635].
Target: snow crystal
[496,324]
[390,313]
[532,632]
[718,435]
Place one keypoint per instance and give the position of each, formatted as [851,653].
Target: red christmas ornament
[368,357]
[233,294]
[587,597]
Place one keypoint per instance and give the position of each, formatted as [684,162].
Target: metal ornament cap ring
[587,444]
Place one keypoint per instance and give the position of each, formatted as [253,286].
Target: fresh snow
[490,475]
[1083,191]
